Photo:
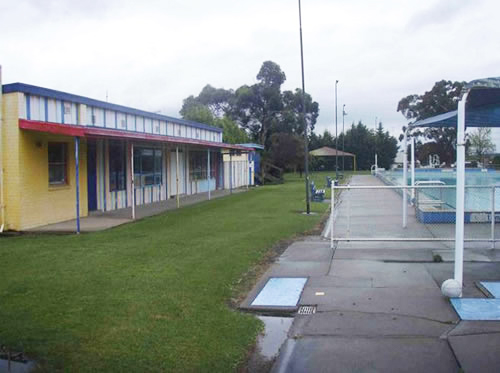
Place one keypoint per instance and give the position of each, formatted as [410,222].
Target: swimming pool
[476,199]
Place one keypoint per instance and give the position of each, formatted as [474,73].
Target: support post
[77,182]
[460,206]
[412,169]
[208,173]
[132,183]
[230,172]
[2,204]
[177,176]
[332,206]
[405,177]
[493,217]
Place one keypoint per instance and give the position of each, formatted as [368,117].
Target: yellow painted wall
[29,200]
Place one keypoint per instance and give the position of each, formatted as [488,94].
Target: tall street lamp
[306,147]
[343,138]
[336,137]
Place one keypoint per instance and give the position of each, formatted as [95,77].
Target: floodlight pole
[343,138]
[336,137]
[306,147]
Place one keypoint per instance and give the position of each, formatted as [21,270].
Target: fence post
[348,210]
[332,206]
[493,217]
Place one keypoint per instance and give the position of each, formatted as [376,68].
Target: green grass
[149,296]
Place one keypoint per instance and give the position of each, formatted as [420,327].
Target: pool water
[476,199]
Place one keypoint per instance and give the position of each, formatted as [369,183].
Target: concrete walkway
[379,305]
[98,220]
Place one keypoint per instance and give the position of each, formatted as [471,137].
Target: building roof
[59,95]
[253,146]
[325,151]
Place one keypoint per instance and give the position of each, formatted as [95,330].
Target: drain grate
[307,310]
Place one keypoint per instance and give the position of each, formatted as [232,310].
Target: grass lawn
[149,296]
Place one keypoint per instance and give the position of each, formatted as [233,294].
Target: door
[91,175]
[182,170]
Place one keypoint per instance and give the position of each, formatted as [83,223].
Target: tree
[231,134]
[442,98]
[481,143]
[287,150]
[386,147]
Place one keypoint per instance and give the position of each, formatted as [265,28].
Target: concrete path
[379,305]
[98,220]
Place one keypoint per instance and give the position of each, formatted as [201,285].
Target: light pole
[343,138]
[306,151]
[336,137]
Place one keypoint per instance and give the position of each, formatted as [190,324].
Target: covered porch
[102,220]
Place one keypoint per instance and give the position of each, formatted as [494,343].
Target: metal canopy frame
[478,107]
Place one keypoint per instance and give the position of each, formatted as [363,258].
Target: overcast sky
[153,54]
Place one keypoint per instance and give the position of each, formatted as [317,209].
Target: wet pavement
[380,308]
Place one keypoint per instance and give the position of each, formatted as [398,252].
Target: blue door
[91,175]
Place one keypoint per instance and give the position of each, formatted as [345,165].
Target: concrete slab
[378,245]
[304,251]
[339,354]
[361,324]
[417,302]
[469,256]
[419,255]
[477,353]
[397,275]
[473,273]
[475,327]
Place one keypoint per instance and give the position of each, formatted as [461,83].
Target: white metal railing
[423,200]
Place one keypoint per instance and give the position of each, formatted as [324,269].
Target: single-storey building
[64,155]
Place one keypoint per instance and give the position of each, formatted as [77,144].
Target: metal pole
[343,139]
[460,206]
[177,176]
[306,145]
[348,210]
[2,207]
[332,206]
[132,184]
[77,182]
[230,172]
[493,217]
[412,168]
[336,137]
[208,172]
[405,175]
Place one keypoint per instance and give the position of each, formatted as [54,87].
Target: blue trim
[144,124]
[46,104]
[104,115]
[62,112]
[77,115]
[92,116]
[116,119]
[58,95]
[28,107]
[135,123]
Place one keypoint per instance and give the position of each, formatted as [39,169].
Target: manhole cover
[307,310]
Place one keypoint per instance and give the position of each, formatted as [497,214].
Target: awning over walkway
[482,108]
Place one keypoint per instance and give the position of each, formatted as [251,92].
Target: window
[57,163]
[147,166]
[198,165]
[117,166]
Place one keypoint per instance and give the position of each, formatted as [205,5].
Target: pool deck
[379,304]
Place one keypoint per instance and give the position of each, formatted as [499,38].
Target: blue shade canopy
[482,108]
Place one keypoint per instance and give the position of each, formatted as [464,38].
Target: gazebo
[479,106]
[325,152]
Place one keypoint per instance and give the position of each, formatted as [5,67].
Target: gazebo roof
[325,151]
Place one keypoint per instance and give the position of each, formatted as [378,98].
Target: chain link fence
[379,213]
